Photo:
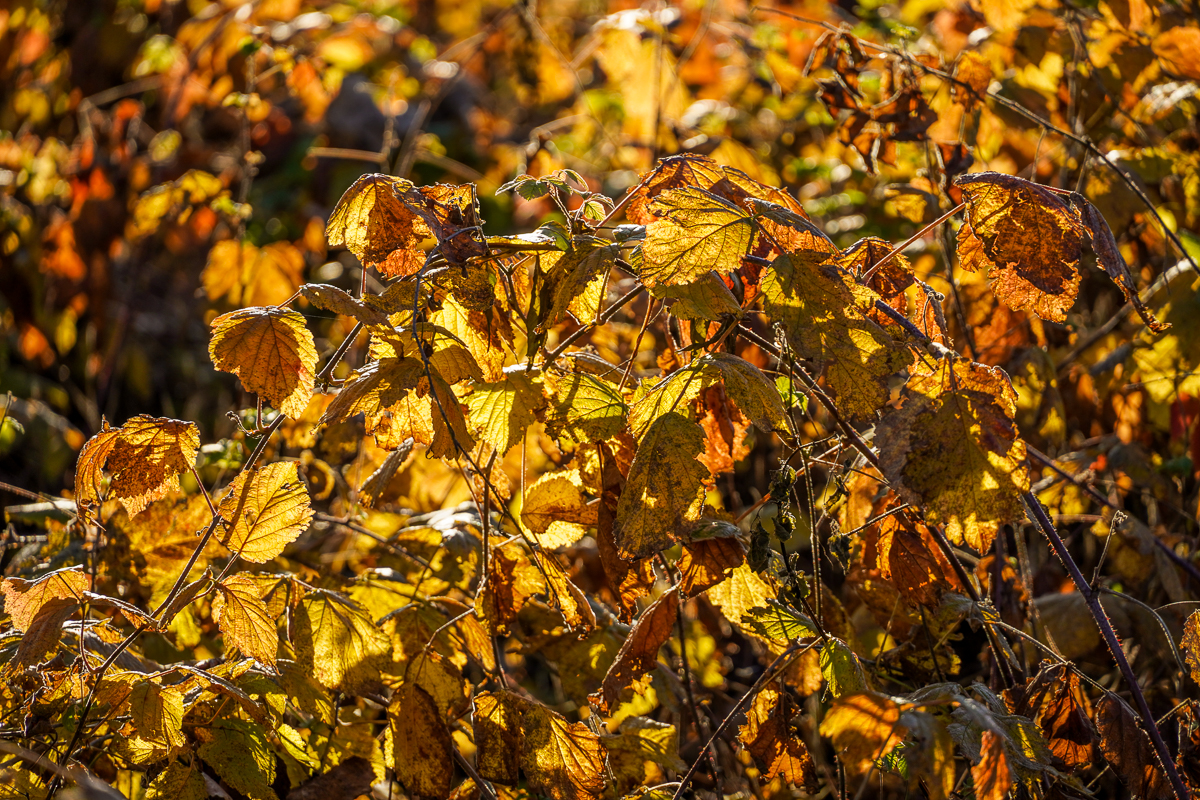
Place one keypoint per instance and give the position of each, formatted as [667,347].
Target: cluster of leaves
[674,480]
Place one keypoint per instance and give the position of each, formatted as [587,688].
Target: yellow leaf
[497,721]
[377,386]
[1191,644]
[706,298]
[156,713]
[244,620]
[821,310]
[148,456]
[341,643]
[665,488]
[264,511]
[575,281]
[953,449]
[572,603]
[271,351]
[584,407]
[478,332]
[339,301]
[510,581]
[23,599]
[841,668]
[641,750]
[178,782]
[87,470]
[421,745]
[555,512]
[371,221]
[864,728]
[562,760]
[768,736]
[689,169]
[239,753]
[502,411]
[699,232]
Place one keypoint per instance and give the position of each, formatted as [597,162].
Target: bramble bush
[690,401]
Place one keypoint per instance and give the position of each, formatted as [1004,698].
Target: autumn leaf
[572,603]
[178,781]
[664,489]
[511,580]
[575,281]
[39,608]
[1128,750]
[497,726]
[639,654]
[698,232]
[1177,48]
[343,646]
[373,222]
[697,171]
[641,749]
[910,558]
[555,512]
[562,760]
[1026,238]
[1190,643]
[1055,700]
[156,713]
[705,563]
[769,738]
[864,728]
[584,407]
[244,620]
[501,411]
[992,776]
[264,511]
[480,333]
[706,298]
[271,351]
[239,753]
[953,449]
[147,457]
[841,668]
[88,466]
[822,313]
[378,387]
[421,745]
[1108,255]
[339,301]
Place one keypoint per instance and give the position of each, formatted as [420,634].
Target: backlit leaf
[1190,643]
[992,776]
[244,620]
[769,738]
[24,599]
[156,713]
[555,512]
[821,310]
[704,564]
[502,411]
[88,467]
[698,232]
[178,781]
[576,279]
[339,301]
[562,760]
[268,507]
[1108,255]
[639,654]
[1055,700]
[572,603]
[371,221]
[421,744]
[584,407]
[864,727]
[497,721]
[341,643]
[953,448]
[841,668]
[510,581]
[641,749]
[665,487]
[478,331]
[1026,238]
[148,456]
[239,753]
[910,558]
[271,351]
[705,298]
[1128,750]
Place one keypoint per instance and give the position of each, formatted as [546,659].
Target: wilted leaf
[1128,749]
[91,461]
[1055,700]
[910,558]
[371,221]
[705,563]
[148,456]
[271,351]
[698,232]
[665,487]
[156,713]
[1190,643]
[341,643]
[510,581]
[339,301]
[238,751]
[1026,238]
[562,760]
[572,603]
[769,738]
[1108,255]
[821,310]
[639,653]
[864,727]
[992,776]
[421,744]
[268,507]
[953,448]
[692,170]
[244,620]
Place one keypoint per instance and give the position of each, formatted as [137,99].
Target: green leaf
[779,623]
[841,668]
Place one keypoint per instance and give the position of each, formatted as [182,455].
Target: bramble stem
[1092,597]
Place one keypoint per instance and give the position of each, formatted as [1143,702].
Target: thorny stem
[1092,598]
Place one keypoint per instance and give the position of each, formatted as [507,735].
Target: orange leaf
[147,457]
[992,775]
[769,738]
[271,351]
[639,654]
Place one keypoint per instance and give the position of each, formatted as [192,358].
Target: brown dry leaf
[39,608]
[665,488]
[864,727]
[789,230]
[572,603]
[88,467]
[992,775]
[890,282]
[380,385]
[511,580]
[339,301]
[1191,644]
[555,511]
[639,654]
[271,350]
[708,562]
[497,725]
[910,558]
[1128,749]
[452,213]
[1108,255]
[823,314]
[264,511]
[690,169]
[562,760]
[148,456]
[1055,700]
[769,738]
[627,580]
[698,232]
[373,222]
[242,615]
[1026,238]
[953,449]
[421,745]
[1179,49]
[725,430]
[975,71]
